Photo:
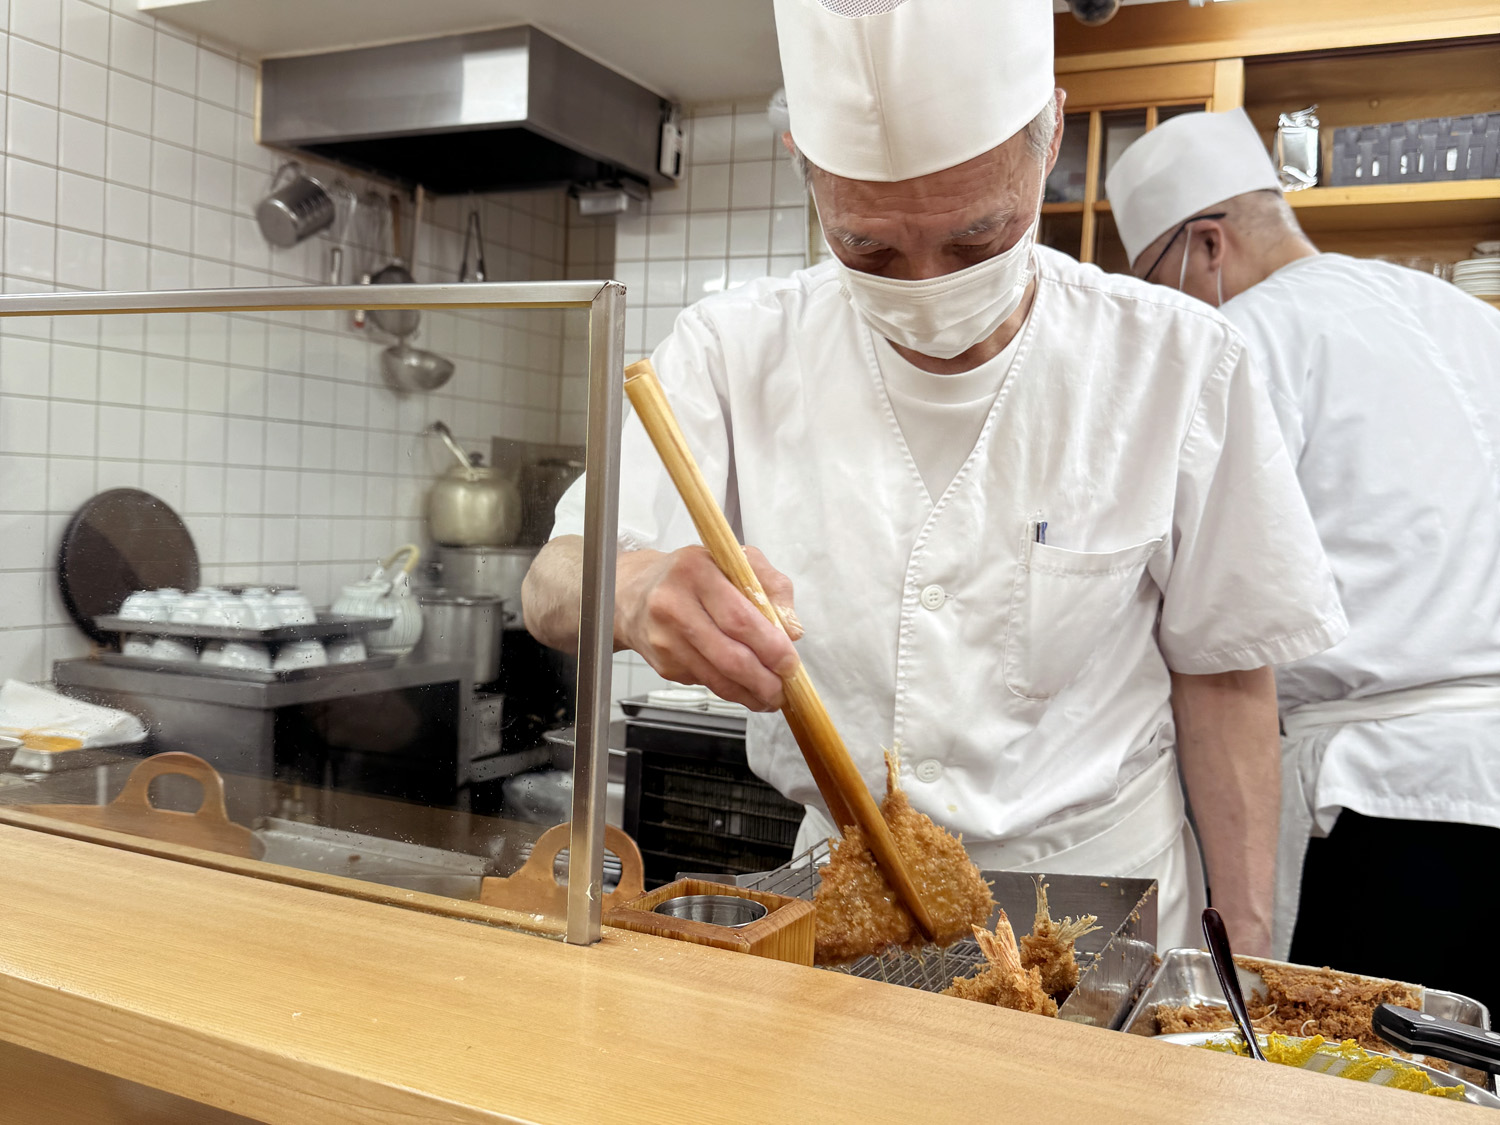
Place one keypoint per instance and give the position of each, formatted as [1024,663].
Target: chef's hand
[693,626]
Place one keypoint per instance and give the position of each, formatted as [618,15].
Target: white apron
[1308,730]
[1141,833]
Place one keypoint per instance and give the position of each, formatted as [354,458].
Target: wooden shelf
[1063,208]
[1447,203]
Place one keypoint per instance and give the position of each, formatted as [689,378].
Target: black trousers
[1407,899]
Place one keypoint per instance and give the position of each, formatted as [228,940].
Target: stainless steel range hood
[487,111]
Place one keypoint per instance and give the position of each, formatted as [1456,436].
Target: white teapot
[387,595]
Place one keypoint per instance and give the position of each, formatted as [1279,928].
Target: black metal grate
[710,816]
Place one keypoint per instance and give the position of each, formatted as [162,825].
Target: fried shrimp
[858,912]
[1049,946]
[1005,982]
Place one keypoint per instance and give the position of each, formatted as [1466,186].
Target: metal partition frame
[605,301]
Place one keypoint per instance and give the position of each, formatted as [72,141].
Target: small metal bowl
[717,910]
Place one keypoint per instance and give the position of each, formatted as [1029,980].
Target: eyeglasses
[1184,226]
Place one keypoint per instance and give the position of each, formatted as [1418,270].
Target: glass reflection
[273,652]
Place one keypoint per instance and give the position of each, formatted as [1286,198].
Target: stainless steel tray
[1474,1095]
[1115,961]
[1187,976]
[328,625]
[248,675]
[393,863]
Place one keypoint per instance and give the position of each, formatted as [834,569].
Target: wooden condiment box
[786,933]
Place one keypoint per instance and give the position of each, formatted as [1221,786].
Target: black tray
[249,675]
[328,625]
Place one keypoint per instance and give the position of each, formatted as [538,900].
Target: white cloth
[892,89]
[1024,682]
[1383,380]
[27,709]
[941,415]
[1141,833]
[1182,167]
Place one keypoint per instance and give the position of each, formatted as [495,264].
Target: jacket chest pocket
[1062,608]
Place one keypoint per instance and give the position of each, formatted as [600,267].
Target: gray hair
[1038,132]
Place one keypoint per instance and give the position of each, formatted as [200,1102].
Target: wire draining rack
[1115,961]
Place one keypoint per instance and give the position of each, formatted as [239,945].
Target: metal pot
[487,572]
[456,627]
[471,505]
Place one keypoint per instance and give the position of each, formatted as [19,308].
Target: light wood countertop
[290,1005]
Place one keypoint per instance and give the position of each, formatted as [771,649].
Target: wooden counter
[289,1005]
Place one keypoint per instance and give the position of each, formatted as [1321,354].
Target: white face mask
[945,316]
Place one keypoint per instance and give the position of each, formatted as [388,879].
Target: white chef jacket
[1386,383]
[1024,682]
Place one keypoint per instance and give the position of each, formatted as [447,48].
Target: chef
[1027,507]
[1384,382]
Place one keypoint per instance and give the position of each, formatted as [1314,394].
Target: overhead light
[1095,12]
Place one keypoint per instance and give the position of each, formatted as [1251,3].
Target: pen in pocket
[1041,531]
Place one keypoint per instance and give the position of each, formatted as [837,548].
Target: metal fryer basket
[1115,961]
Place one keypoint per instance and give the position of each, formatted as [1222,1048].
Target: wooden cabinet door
[1105,111]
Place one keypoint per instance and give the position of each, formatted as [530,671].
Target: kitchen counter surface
[285,1004]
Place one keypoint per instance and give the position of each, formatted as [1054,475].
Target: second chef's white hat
[891,89]
[1184,165]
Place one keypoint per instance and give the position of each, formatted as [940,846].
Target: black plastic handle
[1217,938]
[1424,1034]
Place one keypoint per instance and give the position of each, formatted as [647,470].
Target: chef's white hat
[890,89]
[1184,165]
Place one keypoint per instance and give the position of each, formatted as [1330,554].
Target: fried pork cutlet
[1049,946]
[1174,1019]
[1303,1001]
[858,912]
[1005,982]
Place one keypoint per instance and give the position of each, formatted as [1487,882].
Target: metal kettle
[472,505]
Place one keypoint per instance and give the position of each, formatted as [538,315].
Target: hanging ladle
[441,429]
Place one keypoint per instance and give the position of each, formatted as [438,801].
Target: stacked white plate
[1479,276]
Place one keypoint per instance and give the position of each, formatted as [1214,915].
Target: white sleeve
[1269,338]
[1246,582]
[690,364]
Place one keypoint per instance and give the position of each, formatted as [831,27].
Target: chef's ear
[1210,234]
[1060,97]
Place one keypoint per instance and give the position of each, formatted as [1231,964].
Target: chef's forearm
[1230,750]
[550,593]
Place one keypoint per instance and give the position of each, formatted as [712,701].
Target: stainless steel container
[296,209]
[716,910]
[461,627]
[492,572]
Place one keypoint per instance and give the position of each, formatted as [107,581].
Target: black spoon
[1217,938]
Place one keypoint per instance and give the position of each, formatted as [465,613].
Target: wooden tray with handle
[838,779]
[534,889]
[133,813]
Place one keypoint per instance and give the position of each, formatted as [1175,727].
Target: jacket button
[933,597]
[929,770]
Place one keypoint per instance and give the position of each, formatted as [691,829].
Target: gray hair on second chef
[1038,132]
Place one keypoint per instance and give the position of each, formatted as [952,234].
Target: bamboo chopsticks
[843,789]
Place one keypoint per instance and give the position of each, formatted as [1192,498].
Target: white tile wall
[127,161]
[740,213]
